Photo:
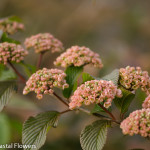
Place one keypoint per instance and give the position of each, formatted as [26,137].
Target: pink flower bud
[78,56]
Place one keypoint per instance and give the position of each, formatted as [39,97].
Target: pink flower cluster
[10,26]
[133,78]
[44,80]
[138,122]
[43,42]
[78,56]
[11,52]
[95,91]
[146,103]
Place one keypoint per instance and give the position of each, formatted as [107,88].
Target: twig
[63,112]
[110,114]
[85,110]
[19,75]
[98,115]
[101,116]
[94,114]
[40,60]
[60,99]
[122,116]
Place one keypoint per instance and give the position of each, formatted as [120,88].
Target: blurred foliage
[65,143]
[4,129]
[118,30]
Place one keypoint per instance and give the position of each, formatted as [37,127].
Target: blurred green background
[118,30]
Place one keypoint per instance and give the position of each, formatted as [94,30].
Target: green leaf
[7,74]
[35,128]
[124,102]
[97,109]
[2,67]
[93,137]
[6,90]
[72,75]
[87,77]
[16,126]
[113,76]
[140,96]
[5,38]
[14,18]
[5,130]
[29,69]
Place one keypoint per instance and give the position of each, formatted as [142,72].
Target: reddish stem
[63,112]
[111,115]
[19,75]
[60,99]
[40,60]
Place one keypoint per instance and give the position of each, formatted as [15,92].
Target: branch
[110,114]
[60,99]
[19,75]
[63,112]
[98,115]
[85,110]
[101,116]
[39,60]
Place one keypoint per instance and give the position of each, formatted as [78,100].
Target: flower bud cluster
[146,103]
[43,81]
[43,42]
[133,78]
[95,91]
[10,26]
[11,52]
[78,56]
[138,122]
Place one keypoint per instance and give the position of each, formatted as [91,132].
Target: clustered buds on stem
[43,42]
[95,91]
[43,81]
[146,103]
[11,52]
[133,78]
[138,122]
[78,56]
[9,26]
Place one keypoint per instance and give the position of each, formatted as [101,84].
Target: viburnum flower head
[11,52]
[138,122]
[78,56]
[10,26]
[43,81]
[95,91]
[133,78]
[43,42]
[146,103]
